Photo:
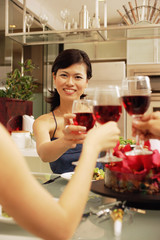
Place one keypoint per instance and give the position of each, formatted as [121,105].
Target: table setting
[97,223]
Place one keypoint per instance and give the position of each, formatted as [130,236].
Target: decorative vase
[12,110]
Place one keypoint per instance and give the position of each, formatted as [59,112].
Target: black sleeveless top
[64,162]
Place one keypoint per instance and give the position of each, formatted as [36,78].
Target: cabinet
[143,51]
[102,51]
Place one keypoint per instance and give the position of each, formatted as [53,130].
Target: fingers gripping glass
[107,108]
[136,93]
[83,109]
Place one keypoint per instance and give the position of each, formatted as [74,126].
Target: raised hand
[148,127]
[73,134]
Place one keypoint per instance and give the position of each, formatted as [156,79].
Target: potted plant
[15,98]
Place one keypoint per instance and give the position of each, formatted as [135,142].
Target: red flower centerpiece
[135,173]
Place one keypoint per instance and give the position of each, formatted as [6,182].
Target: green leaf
[18,85]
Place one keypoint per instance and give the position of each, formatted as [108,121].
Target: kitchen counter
[33,160]
[136,226]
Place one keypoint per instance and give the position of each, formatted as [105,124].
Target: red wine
[106,113]
[136,104]
[15,123]
[84,119]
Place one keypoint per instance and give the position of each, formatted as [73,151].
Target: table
[137,227]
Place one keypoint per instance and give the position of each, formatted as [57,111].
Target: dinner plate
[41,177]
[67,175]
[9,220]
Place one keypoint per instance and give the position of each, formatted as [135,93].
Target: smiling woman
[56,144]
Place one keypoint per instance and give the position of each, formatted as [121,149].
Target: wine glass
[136,91]
[107,108]
[83,109]
[29,21]
[64,15]
[43,18]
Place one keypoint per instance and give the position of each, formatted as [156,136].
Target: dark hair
[65,59]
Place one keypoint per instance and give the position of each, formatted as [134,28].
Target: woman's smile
[69,91]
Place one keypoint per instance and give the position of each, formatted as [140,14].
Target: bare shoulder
[45,117]
[45,120]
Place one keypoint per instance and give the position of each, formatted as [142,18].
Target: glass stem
[108,155]
[138,141]
[64,24]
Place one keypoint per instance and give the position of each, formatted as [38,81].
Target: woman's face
[70,82]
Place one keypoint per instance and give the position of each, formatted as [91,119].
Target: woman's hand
[73,134]
[103,137]
[148,127]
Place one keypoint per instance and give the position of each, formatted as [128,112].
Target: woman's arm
[51,150]
[31,205]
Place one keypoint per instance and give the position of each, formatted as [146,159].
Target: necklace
[58,110]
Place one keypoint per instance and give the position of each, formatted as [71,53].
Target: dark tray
[138,200]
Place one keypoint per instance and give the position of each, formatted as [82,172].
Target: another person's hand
[73,134]
[103,137]
[148,127]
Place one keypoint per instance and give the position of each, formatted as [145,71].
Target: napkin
[27,123]
[155,144]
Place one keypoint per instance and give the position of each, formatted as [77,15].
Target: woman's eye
[63,75]
[78,77]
